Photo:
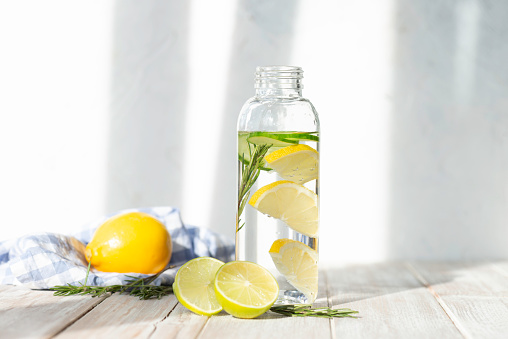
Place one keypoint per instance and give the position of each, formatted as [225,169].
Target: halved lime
[194,285]
[245,289]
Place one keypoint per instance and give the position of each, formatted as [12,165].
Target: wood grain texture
[39,314]
[395,300]
[181,323]
[268,325]
[121,316]
[474,294]
[464,278]
[391,301]
[501,267]
[481,317]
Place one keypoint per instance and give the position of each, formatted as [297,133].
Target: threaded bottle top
[269,79]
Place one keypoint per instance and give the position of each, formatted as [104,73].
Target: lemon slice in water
[298,263]
[194,285]
[292,203]
[298,163]
[245,289]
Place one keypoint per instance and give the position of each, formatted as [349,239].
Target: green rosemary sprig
[308,311]
[250,174]
[139,287]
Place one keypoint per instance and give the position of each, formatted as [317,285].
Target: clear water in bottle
[279,224]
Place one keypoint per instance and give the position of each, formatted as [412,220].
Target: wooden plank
[474,294]
[271,325]
[391,301]
[457,300]
[481,317]
[463,278]
[501,267]
[38,314]
[181,324]
[268,325]
[121,316]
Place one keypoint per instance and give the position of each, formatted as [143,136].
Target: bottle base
[287,297]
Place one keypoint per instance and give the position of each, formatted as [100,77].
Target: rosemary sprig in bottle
[139,287]
[250,173]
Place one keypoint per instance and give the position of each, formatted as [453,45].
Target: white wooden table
[395,300]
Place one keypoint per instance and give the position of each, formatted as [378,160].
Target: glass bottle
[277,221]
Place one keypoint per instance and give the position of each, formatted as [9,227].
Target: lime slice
[268,138]
[292,203]
[298,263]
[298,163]
[288,137]
[245,289]
[301,136]
[194,285]
[245,150]
[248,140]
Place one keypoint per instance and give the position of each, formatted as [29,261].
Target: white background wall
[106,105]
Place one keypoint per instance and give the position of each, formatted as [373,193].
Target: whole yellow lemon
[130,243]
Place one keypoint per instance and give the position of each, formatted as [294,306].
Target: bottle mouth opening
[283,77]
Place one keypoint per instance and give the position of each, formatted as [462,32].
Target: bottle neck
[279,81]
[278,92]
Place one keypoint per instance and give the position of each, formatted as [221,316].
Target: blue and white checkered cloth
[44,260]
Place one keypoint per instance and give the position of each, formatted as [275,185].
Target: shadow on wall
[149,93]
[263,35]
[449,169]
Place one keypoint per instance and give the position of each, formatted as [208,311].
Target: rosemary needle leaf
[250,173]
[139,287]
[308,311]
